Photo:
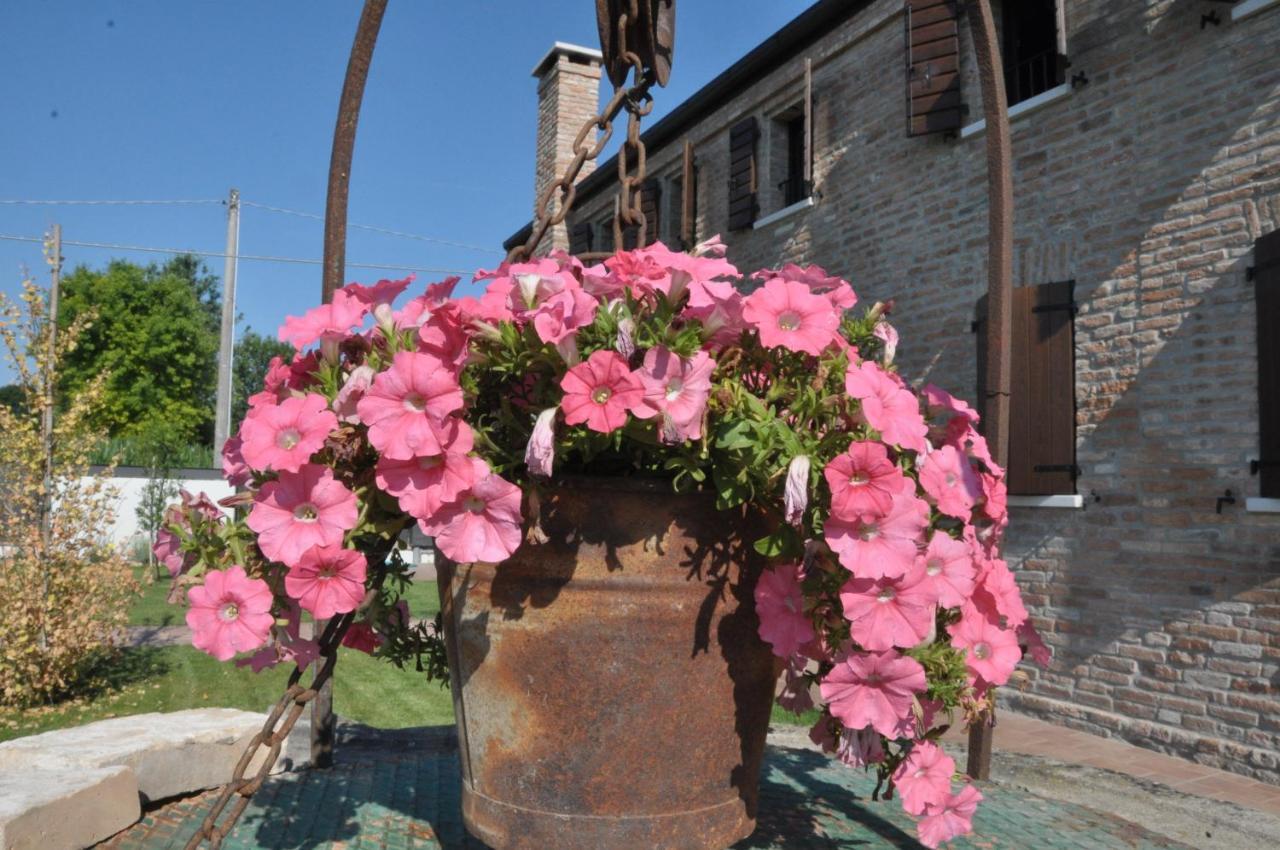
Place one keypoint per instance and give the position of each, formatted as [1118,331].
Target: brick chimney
[568,95]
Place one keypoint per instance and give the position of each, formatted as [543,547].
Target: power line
[258,257]
[139,203]
[402,234]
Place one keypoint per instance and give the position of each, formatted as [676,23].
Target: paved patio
[807,802]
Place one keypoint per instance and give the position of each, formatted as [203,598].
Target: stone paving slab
[807,801]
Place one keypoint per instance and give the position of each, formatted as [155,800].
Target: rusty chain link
[557,198]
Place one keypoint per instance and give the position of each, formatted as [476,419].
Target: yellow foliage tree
[64,587]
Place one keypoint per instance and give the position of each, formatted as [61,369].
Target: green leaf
[782,543]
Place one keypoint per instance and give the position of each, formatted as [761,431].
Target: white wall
[129,484]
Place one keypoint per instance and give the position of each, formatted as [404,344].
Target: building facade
[1145,450]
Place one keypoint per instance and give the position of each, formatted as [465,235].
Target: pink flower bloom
[708,279]
[599,392]
[823,734]
[873,689]
[353,389]
[300,510]
[168,551]
[562,314]
[860,747]
[229,613]
[234,469]
[961,434]
[444,335]
[780,607]
[482,524]
[990,651]
[540,454]
[925,777]
[888,337]
[835,290]
[948,570]
[998,594]
[382,292]
[362,638]
[787,314]
[863,481]
[795,696]
[275,384]
[406,405]
[1035,645]
[939,401]
[879,547]
[422,484]
[888,406]
[284,437]
[884,613]
[332,321]
[995,498]
[796,490]
[327,580]
[676,389]
[952,818]
[950,481]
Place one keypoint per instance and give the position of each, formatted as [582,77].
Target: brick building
[1146,139]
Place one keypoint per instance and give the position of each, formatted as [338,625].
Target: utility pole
[999,328]
[226,344]
[46,414]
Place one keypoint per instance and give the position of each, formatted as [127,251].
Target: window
[1033,47]
[787,158]
[580,238]
[1266,276]
[671,216]
[1042,398]
[604,235]
[743,178]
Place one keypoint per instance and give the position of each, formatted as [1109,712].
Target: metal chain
[557,198]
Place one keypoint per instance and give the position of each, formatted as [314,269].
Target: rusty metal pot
[610,687]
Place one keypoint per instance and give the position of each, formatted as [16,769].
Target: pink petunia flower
[950,819]
[888,612]
[327,580]
[676,389]
[888,406]
[283,437]
[422,484]
[835,290]
[990,651]
[950,481]
[540,453]
[234,469]
[879,547]
[275,384]
[482,524]
[860,747]
[561,315]
[796,489]
[795,696]
[940,402]
[788,315]
[300,510]
[406,406]
[925,777]
[229,613]
[332,321]
[444,334]
[780,607]
[362,638]
[863,481]
[888,336]
[949,572]
[823,734]
[168,551]
[873,689]
[353,389]
[1035,645]
[599,392]
[998,595]
[382,292]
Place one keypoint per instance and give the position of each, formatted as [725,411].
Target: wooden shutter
[688,200]
[580,238]
[933,67]
[743,178]
[650,195]
[1042,391]
[1266,275]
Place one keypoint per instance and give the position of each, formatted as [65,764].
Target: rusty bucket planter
[610,687]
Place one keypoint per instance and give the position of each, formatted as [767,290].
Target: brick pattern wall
[1147,186]
[568,95]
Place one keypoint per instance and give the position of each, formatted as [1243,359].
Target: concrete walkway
[1016,733]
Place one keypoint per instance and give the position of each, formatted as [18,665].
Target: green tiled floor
[806,802]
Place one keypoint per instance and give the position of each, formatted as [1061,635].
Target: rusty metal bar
[999,326]
[344,142]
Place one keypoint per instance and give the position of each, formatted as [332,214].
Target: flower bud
[540,454]
[796,497]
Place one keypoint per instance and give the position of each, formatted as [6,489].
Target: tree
[160,445]
[155,340]
[252,359]
[12,397]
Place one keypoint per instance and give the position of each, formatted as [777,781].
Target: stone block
[65,808]
[171,754]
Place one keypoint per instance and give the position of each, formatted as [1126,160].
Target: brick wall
[1147,186]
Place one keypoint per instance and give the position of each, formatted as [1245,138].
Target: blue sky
[154,99]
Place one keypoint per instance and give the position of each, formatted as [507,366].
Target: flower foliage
[887,597]
[66,589]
